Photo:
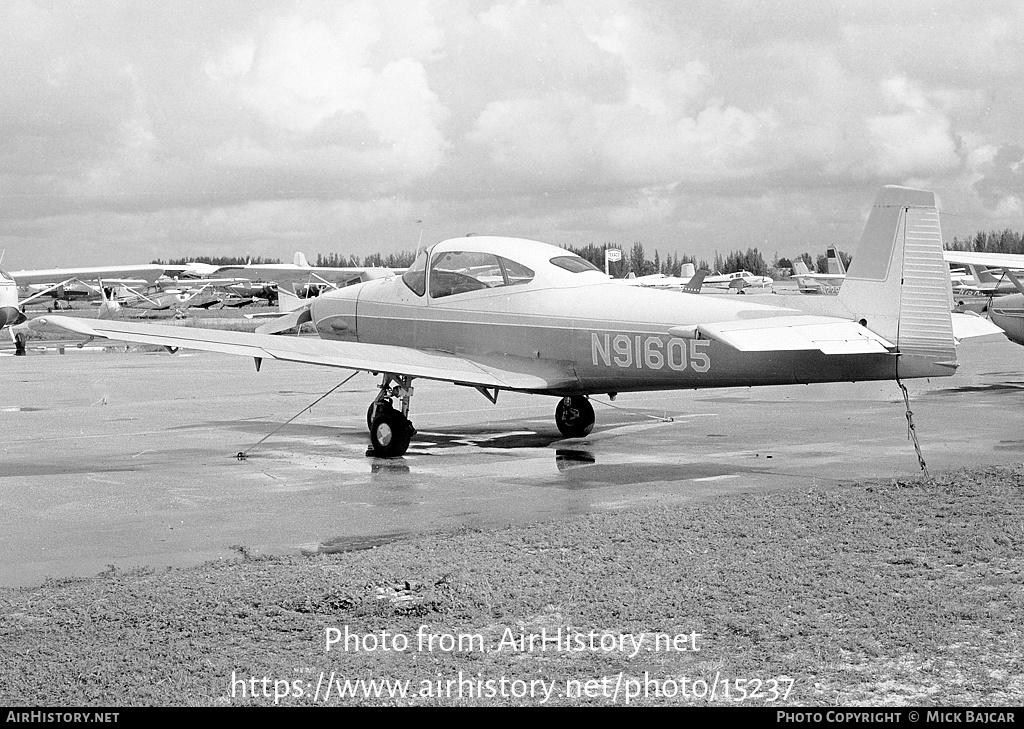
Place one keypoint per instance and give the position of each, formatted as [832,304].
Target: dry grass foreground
[880,594]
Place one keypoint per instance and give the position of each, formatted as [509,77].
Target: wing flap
[512,373]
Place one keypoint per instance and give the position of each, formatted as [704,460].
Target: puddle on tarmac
[1010,445]
[337,545]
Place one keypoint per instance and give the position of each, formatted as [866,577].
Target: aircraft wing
[1009,262]
[993,260]
[512,373]
[289,275]
[827,334]
[56,275]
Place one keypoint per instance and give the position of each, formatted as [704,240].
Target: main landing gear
[390,429]
[574,416]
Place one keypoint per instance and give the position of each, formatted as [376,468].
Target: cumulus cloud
[585,120]
[324,83]
[1002,183]
[916,139]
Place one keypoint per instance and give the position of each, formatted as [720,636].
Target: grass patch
[879,594]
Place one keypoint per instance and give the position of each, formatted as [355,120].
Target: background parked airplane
[1006,310]
[820,283]
[689,281]
[10,313]
[737,281]
[303,281]
[21,288]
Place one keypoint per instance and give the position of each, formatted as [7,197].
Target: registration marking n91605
[650,352]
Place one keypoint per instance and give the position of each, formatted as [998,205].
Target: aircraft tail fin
[687,271]
[835,261]
[695,283]
[799,267]
[898,283]
[288,301]
[982,275]
[300,260]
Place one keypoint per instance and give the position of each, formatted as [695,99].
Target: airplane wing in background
[1011,263]
[57,275]
[512,373]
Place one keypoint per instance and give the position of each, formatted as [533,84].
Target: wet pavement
[130,459]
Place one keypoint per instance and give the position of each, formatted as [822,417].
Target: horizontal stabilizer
[290,321]
[788,333]
[969,325]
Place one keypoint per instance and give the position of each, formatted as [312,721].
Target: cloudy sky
[131,130]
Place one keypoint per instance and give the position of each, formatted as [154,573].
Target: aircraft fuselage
[1007,313]
[617,342]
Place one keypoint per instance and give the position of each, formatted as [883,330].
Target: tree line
[635,259]
[993,241]
[217,260]
[403,259]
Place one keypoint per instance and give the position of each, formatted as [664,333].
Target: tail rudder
[835,261]
[982,275]
[695,283]
[898,283]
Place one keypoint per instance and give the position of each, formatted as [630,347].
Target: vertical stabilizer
[835,261]
[898,282]
[982,276]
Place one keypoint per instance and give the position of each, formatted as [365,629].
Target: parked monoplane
[510,314]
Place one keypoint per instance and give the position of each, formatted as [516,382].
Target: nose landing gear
[390,429]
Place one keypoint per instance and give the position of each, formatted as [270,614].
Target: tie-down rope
[242,455]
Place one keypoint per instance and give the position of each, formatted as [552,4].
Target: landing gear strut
[574,416]
[390,429]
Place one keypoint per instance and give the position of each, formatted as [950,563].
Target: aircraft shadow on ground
[995,388]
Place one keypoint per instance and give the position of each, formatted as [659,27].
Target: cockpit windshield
[457,272]
[415,276]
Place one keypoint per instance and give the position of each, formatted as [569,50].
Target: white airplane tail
[898,283]
[687,271]
[288,301]
[300,260]
[835,261]
[982,275]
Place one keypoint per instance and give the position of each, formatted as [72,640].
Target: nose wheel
[574,416]
[390,429]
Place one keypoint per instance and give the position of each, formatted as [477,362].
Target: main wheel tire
[382,406]
[390,433]
[575,419]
